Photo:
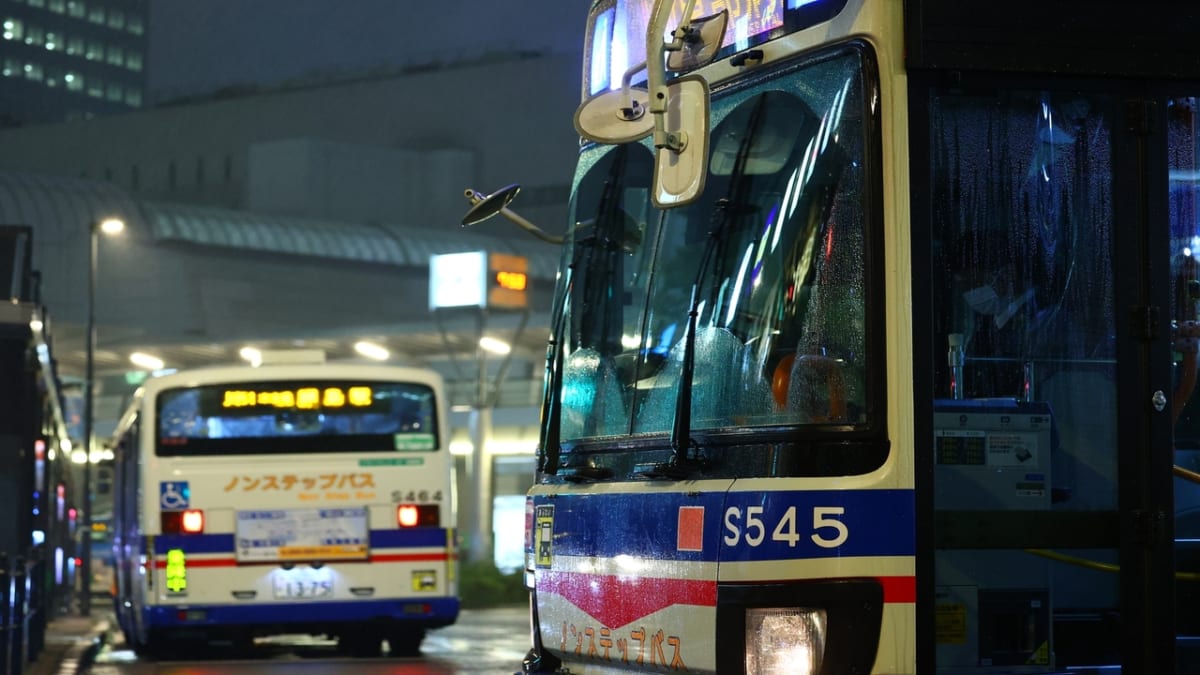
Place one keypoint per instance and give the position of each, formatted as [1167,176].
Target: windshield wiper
[607,218]
[686,461]
[683,463]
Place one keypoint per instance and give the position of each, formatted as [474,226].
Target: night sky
[199,46]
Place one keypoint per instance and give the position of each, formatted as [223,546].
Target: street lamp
[107,226]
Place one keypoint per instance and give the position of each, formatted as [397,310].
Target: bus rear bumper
[308,617]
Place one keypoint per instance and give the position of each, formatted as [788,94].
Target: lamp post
[108,226]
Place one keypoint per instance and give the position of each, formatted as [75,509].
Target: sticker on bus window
[413,442]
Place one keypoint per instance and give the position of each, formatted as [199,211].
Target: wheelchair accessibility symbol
[173,495]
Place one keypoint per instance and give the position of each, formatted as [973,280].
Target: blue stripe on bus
[224,543]
[877,523]
[194,543]
[441,611]
[422,536]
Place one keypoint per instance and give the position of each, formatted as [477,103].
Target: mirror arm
[684,30]
[656,69]
[530,227]
[630,107]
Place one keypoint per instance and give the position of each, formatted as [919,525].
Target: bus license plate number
[303,583]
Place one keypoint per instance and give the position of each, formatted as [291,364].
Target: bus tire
[405,641]
[360,643]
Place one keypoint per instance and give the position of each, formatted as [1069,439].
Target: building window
[37,3]
[54,41]
[114,92]
[116,19]
[116,56]
[76,9]
[75,46]
[33,71]
[58,6]
[134,25]
[133,97]
[14,29]
[96,15]
[95,50]
[95,87]
[53,76]
[12,68]
[34,36]
[133,61]
[74,81]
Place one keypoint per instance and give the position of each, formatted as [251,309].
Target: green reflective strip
[413,442]
[393,461]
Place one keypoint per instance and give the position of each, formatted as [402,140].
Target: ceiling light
[143,360]
[251,354]
[371,350]
[112,226]
[491,344]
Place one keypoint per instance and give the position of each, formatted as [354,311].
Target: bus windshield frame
[779,257]
[291,416]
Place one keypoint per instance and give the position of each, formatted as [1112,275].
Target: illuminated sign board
[509,275]
[617,37]
[478,279]
[458,280]
[301,398]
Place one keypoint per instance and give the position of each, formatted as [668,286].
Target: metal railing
[22,612]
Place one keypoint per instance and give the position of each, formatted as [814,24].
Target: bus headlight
[787,641]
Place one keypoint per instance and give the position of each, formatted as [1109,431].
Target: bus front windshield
[253,418]
[773,256]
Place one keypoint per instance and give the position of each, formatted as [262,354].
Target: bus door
[1056,236]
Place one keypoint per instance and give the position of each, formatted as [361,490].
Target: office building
[63,60]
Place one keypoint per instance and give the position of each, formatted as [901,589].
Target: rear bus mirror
[699,43]
[681,164]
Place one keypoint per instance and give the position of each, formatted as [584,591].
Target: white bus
[300,498]
[875,342]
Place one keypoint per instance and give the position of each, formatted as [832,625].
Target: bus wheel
[405,641]
[360,644]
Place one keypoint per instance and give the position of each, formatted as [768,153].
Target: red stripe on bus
[620,600]
[410,557]
[381,558]
[202,562]
[898,589]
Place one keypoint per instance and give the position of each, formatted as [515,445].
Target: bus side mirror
[680,164]
[699,41]
[679,108]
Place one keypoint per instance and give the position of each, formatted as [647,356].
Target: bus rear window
[272,418]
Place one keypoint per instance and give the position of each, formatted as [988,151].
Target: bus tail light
[183,522]
[417,515]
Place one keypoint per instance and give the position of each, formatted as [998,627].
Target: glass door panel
[1025,398]
[1183,140]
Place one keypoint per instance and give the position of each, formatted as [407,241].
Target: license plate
[303,582]
[302,534]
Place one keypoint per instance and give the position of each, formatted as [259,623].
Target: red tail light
[183,522]
[193,521]
[418,515]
